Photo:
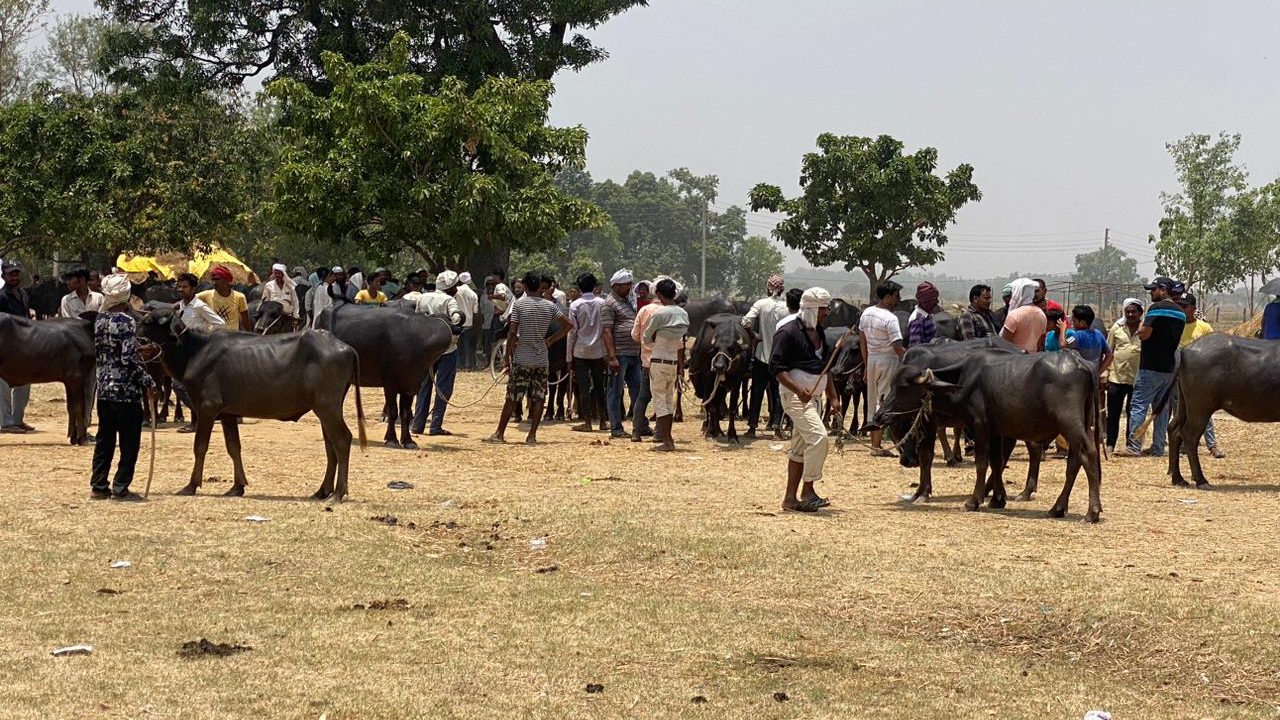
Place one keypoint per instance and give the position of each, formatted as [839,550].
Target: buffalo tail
[364,440]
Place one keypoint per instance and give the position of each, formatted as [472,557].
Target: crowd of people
[629,340]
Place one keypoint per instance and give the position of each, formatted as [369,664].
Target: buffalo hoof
[1090,517]
[391,445]
[996,503]
[1179,482]
[1204,485]
[321,494]
[1056,512]
[971,505]
[1024,496]
[235,491]
[955,462]
[187,490]
[335,498]
[409,445]
[919,498]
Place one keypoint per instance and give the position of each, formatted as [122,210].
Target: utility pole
[1106,238]
[703,275]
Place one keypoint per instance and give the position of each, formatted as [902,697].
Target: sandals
[808,506]
[881,452]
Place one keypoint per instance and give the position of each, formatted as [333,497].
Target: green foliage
[19,20]
[73,57]
[867,205]
[219,43]
[440,174]
[656,229]
[756,261]
[1108,265]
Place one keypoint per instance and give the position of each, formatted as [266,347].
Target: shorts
[527,380]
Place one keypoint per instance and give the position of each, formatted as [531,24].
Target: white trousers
[881,370]
[809,439]
[662,384]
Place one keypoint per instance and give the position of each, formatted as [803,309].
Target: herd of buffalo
[988,389]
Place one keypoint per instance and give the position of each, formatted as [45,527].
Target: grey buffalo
[233,375]
[397,351]
[58,350]
[1002,397]
[1221,372]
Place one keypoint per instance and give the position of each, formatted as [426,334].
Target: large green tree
[756,260]
[444,174]
[91,176]
[866,204]
[19,21]
[1193,246]
[223,42]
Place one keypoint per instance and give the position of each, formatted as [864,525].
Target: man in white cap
[442,303]
[798,362]
[622,354]
[469,303]
[282,289]
[121,379]
[762,322]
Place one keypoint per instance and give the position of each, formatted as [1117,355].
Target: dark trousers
[446,371]
[467,349]
[640,408]
[762,381]
[590,375]
[1118,397]
[122,421]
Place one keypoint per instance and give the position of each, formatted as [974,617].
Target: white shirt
[284,294]
[198,315]
[469,303]
[559,298]
[502,300]
[443,306]
[880,327]
[319,301]
[770,311]
[73,306]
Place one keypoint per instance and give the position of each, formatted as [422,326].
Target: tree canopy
[1108,266]
[865,204]
[220,43]
[442,173]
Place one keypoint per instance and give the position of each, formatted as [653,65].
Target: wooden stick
[151,471]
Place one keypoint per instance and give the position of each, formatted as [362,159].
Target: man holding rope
[121,378]
[800,359]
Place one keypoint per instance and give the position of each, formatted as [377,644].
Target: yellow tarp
[169,265]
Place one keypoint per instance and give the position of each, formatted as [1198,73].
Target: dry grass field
[669,580]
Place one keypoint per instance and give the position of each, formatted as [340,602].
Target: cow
[397,351]
[720,359]
[1001,396]
[1220,372]
[234,375]
[58,350]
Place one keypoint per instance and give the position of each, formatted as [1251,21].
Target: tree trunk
[485,257]
[873,279]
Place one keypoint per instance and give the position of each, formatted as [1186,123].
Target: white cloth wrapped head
[1024,292]
[446,280]
[464,278]
[622,277]
[813,299]
[336,269]
[115,290]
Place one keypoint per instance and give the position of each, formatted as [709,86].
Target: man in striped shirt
[617,318]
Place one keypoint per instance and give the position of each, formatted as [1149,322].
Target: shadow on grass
[1026,512]
[1243,487]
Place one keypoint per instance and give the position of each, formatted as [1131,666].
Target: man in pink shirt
[1026,323]
[640,409]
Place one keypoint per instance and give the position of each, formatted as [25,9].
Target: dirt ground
[593,578]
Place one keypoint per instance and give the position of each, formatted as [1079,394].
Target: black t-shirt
[1166,320]
[793,350]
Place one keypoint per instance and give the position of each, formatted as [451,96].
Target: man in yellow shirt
[230,305]
[1126,350]
[1192,331]
[373,294]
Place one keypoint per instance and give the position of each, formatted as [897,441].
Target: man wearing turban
[230,304]
[121,380]
[622,354]
[921,329]
[1026,323]
[798,361]
[282,289]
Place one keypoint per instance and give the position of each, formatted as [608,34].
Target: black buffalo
[232,375]
[269,318]
[718,364]
[1002,397]
[1221,372]
[849,376]
[397,351]
[58,350]
[702,308]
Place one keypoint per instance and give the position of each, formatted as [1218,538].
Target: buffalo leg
[1191,433]
[231,434]
[1059,508]
[390,412]
[925,454]
[981,458]
[406,414]
[204,428]
[330,468]
[679,416]
[77,428]
[995,481]
[1035,454]
[336,429]
[733,414]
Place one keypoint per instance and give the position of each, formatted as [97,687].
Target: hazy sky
[1063,108]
